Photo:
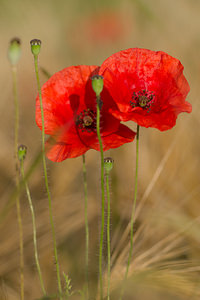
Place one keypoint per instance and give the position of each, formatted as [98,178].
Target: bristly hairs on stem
[108,165]
[4,212]
[97,85]
[132,214]
[35,48]
[14,53]
[86,227]
[21,156]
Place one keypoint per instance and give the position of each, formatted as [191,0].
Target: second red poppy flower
[147,86]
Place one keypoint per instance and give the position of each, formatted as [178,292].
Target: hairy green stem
[46,179]
[34,228]
[108,231]
[19,218]
[86,227]
[21,245]
[102,199]
[16,103]
[4,212]
[133,213]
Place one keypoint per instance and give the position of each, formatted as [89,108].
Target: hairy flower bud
[14,51]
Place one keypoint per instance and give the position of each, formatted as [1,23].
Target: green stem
[133,212]
[19,218]
[108,232]
[11,201]
[16,103]
[46,179]
[21,245]
[86,227]
[102,199]
[34,228]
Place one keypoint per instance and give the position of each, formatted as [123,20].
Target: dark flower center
[86,120]
[143,99]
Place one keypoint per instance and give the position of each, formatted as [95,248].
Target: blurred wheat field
[166,255]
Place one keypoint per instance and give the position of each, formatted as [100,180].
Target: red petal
[121,136]
[63,94]
[65,144]
[62,151]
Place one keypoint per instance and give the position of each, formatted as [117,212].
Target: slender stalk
[46,180]
[133,213]
[34,227]
[16,103]
[11,201]
[19,218]
[86,227]
[102,198]
[108,232]
[21,245]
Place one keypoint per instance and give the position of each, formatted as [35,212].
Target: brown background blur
[87,32]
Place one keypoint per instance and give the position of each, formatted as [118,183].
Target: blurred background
[166,259]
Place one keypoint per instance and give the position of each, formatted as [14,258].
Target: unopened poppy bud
[108,164]
[14,51]
[97,84]
[35,46]
[22,149]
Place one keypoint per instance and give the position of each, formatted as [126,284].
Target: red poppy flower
[148,87]
[69,104]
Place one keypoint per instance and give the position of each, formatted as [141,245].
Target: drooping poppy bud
[14,51]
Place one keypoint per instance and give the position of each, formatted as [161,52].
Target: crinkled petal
[114,140]
[61,151]
[133,70]
[65,144]
[62,96]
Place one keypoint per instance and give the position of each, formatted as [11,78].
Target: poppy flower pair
[141,85]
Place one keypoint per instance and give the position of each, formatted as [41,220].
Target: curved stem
[108,232]
[133,212]
[86,227]
[34,228]
[19,218]
[46,180]
[102,199]
[11,201]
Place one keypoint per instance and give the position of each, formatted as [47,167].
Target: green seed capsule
[97,84]
[35,46]
[108,164]
[22,150]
